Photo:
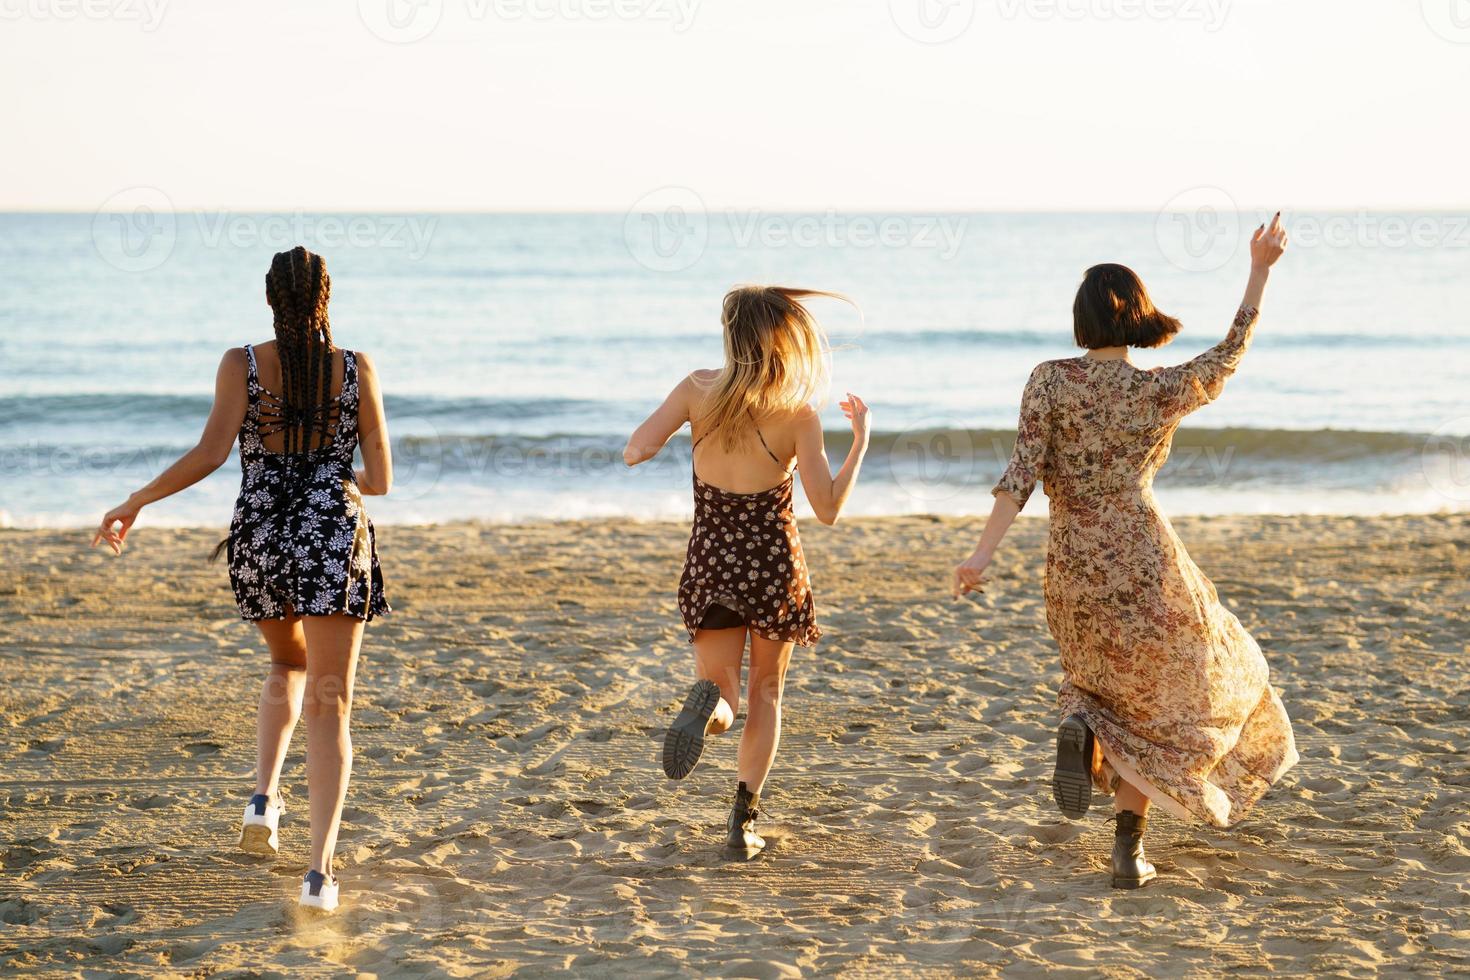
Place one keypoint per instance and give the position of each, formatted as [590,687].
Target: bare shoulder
[365,362]
[234,361]
[806,419]
[694,387]
[806,415]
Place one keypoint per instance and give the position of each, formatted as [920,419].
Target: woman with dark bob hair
[1166,698]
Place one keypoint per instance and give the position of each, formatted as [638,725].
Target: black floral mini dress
[745,565]
[301,542]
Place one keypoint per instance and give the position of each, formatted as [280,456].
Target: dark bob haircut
[1113,309]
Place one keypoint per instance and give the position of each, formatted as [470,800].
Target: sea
[518,351]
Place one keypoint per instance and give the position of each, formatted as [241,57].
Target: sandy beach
[508,814]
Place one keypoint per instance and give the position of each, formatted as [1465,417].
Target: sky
[779,104]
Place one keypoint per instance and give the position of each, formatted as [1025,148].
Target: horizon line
[863,210]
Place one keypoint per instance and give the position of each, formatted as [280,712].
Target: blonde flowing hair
[776,359]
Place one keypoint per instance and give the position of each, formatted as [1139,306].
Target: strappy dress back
[300,541]
[745,555]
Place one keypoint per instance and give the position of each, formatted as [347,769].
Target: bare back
[763,459]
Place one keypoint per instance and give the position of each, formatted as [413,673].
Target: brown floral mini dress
[1174,687]
[745,566]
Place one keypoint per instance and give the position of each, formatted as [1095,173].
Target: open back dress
[744,566]
[300,542]
[1174,687]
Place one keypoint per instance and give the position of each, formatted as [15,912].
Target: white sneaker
[260,831]
[319,892]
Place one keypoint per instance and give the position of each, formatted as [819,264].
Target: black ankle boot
[1130,868]
[743,837]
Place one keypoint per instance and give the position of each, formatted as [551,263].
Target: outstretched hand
[856,411]
[969,575]
[1268,243]
[114,527]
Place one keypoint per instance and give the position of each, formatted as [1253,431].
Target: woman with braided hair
[302,553]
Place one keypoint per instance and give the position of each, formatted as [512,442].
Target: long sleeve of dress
[1028,462]
[1199,381]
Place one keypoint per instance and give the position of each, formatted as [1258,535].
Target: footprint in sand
[18,912]
[45,747]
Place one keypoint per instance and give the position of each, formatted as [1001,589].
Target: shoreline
[804,519]
[507,811]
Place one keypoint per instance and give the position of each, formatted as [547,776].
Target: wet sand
[508,813]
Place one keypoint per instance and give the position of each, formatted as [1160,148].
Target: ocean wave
[1307,445]
[1316,457]
[98,408]
[1060,336]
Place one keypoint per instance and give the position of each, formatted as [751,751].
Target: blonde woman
[1166,698]
[744,573]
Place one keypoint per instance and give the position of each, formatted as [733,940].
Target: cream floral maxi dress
[1175,689]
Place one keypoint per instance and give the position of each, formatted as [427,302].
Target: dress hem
[365,617]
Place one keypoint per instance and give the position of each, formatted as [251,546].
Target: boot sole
[1071,784]
[1132,882]
[684,742]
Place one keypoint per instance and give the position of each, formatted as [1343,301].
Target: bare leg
[332,643]
[1129,797]
[717,657]
[768,662]
[280,701]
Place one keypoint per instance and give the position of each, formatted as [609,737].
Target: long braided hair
[298,288]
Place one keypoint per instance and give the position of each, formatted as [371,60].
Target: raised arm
[1199,381]
[376,476]
[1267,245]
[208,455]
[827,493]
[1027,466]
[651,437]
